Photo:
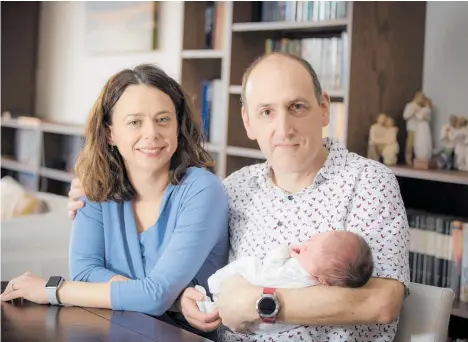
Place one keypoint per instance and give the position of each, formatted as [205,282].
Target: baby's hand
[206,305]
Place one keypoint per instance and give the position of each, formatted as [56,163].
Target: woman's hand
[76,191]
[197,319]
[27,286]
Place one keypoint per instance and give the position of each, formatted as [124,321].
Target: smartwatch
[268,306]
[53,284]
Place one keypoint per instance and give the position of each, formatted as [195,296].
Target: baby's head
[337,258]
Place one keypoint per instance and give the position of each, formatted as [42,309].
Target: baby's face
[311,256]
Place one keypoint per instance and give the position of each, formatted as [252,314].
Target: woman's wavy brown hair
[101,168]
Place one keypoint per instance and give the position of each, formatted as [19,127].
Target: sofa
[37,243]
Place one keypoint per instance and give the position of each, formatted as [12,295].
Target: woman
[154,220]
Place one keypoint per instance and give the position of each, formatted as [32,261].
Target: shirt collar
[336,161]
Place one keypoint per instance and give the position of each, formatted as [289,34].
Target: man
[307,186]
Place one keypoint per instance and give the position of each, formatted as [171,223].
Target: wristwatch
[53,284]
[268,305]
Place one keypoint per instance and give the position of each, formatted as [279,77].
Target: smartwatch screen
[267,306]
[53,281]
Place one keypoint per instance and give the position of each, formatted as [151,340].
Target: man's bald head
[279,57]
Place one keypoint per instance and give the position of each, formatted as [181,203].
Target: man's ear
[248,127]
[325,107]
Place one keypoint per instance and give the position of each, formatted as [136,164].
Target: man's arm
[376,213]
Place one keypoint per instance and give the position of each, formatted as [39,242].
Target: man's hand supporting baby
[379,301]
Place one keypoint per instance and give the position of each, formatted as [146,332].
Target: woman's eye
[164,119]
[265,112]
[133,123]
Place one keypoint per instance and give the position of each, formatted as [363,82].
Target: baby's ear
[294,251]
[322,280]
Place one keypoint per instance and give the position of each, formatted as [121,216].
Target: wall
[445,78]
[69,79]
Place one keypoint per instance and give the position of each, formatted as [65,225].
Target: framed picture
[122,26]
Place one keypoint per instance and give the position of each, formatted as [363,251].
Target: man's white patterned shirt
[350,192]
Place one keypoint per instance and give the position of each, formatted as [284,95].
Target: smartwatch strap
[268,291]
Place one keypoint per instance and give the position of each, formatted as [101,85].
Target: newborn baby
[334,258]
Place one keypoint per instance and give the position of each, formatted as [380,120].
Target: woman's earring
[111,148]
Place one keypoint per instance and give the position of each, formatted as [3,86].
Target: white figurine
[422,134]
[459,137]
[409,114]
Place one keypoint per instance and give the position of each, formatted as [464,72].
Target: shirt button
[290,198]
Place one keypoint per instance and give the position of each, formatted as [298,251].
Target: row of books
[439,251]
[214,24]
[211,111]
[328,56]
[303,10]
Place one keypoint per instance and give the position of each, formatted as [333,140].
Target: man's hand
[76,191]
[236,303]
[197,319]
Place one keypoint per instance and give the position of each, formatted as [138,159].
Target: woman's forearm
[91,295]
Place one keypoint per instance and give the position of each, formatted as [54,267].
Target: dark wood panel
[237,135]
[435,197]
[20,27]
[194,25]
[237,163]
[194,72]
[246,48]
[387,51]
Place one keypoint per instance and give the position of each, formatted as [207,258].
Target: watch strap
[269,291]
[52,293]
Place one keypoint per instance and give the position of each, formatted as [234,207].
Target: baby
[334,258]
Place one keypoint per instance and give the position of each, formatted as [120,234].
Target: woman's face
[144,129]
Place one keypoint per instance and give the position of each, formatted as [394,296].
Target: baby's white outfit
[278,270]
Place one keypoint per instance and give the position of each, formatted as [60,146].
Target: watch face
[267,306]
[53,281]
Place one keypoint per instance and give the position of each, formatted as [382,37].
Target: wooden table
[27,322]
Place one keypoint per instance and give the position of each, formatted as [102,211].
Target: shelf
[63,176]
[460,309]
[336,94]
[212,148]
[50,127]
[244,152]
[11,164]
[44,126]
[202,54]
[285,26]
[235,89]
[445,176]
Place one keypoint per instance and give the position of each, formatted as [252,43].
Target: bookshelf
[42,159]
[383,53]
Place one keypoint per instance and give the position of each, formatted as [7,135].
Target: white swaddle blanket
[278,270]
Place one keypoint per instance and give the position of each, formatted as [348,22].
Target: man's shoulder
[242,176]
[366,168]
